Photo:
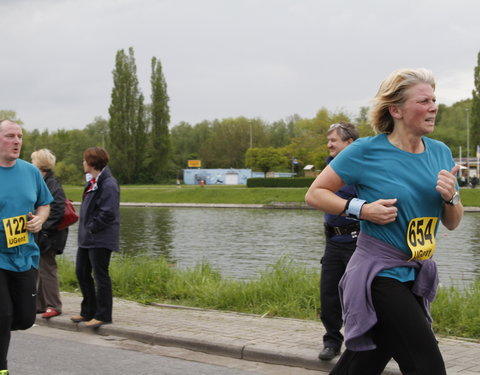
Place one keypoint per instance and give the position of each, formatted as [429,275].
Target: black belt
[351,229]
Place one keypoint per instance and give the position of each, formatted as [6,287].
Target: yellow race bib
[421,237]
[16,230]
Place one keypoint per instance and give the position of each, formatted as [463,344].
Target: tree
[363,124]
[186,141]
[68,173]
[160,118]
[97,131]
[265,159]
[230,139]
[9,115]
[279,134]
[127,125]
[475,118]
[450,126]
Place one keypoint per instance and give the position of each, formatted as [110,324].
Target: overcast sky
[227,58]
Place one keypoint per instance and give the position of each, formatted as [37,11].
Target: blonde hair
[43,159]
[392,92]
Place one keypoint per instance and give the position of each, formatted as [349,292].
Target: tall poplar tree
[6,114]
[160,118]
[475,118]
[127,125]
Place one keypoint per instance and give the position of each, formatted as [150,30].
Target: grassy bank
[197,194]
[284,289]
[238,194]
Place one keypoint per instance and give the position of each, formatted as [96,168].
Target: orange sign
[194,163]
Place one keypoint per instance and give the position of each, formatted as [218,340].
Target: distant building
[217,176]
[230,176]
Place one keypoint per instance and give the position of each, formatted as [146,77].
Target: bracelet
[354,208]
[345,209]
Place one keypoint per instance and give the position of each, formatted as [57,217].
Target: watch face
[455,198]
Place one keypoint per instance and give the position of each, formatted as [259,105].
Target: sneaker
[328,353]
[3,372]
[50,313]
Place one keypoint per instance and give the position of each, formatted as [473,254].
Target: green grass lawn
[238,194]
[196,194]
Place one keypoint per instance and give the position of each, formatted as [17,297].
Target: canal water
[243,242]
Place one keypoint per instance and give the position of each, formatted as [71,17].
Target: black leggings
[17,306]
[402,333]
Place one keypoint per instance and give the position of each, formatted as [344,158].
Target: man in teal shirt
[24,207]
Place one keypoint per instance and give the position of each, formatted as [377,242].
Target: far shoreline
[274,205]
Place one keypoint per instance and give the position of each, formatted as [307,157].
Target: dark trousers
[17,306]
[402,333]
[97,295]
[334,262]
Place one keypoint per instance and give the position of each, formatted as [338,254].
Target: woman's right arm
[321,195]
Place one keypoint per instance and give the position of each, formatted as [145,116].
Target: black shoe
[328,353]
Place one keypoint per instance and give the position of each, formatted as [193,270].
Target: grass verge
[285,289]
[237,194]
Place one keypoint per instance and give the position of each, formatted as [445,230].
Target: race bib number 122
[16,230]
[421,237]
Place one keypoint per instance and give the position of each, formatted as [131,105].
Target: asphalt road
[48,351]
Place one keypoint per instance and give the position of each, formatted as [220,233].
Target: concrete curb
[242,350]
[283,341]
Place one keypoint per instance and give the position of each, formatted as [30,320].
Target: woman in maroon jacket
[98,236]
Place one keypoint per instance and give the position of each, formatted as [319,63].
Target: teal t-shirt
[379,170]
[22,190]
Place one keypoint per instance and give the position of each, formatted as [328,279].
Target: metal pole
[468,148]
[251,136]
[478,162]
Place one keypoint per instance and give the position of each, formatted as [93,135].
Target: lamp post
[251,135]
[468,147]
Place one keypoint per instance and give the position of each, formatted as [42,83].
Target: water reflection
[458,251]
[242,242]
[145,230]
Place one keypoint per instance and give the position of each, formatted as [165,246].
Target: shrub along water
[285,289]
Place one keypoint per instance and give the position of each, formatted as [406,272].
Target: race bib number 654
[16,230]
[421,237]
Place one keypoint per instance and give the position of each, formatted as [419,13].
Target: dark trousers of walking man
[334,263]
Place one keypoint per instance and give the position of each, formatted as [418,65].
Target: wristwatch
[455,199]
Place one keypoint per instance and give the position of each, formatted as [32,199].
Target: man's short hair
[346,130]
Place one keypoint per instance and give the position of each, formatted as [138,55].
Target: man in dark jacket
[341,238]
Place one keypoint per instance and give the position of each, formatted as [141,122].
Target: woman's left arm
[447,186]
[452,215]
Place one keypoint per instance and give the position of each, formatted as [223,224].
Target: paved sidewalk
[282,341]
